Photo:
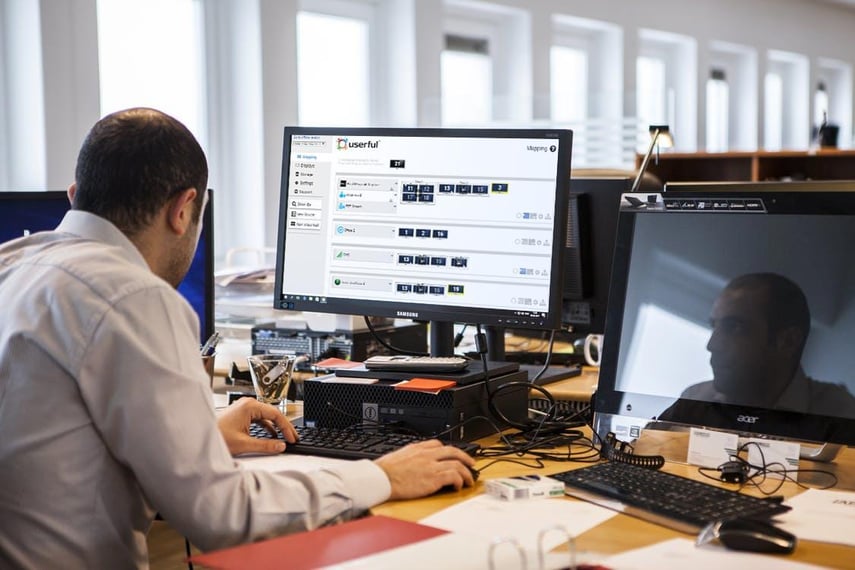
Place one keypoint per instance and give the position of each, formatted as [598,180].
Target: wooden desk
[577,389]
[622,532]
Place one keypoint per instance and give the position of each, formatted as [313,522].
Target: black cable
[548,358]
[187,550]
[762,472]
[458,338]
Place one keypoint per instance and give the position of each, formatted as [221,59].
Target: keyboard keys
[349,444]
[676,502]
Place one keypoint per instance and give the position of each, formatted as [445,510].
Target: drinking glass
[271,377]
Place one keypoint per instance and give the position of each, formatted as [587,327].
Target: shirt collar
[90,226]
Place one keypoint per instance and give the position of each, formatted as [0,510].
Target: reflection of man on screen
[760,324]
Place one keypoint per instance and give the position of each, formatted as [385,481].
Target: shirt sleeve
[149,398]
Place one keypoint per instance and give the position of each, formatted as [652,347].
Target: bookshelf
[824,164]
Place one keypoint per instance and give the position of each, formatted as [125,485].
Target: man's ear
[72,190]
[179,214]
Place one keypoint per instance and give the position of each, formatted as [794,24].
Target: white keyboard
[405,363]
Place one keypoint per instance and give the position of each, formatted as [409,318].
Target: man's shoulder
[102,266]
[831,398]
[89,267]
[700,391]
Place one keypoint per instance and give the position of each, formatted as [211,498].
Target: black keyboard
[350,443]
[662,498]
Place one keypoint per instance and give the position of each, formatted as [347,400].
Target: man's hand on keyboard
[422,468]
[235,421]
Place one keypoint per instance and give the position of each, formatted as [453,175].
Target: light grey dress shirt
[106,416]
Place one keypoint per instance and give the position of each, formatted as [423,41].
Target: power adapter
[733,472]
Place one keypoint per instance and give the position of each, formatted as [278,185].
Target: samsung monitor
[23,213]
[440,225]
[732,310]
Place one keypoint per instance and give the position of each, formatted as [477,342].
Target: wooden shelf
[824,164]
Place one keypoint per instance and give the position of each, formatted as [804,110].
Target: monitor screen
[23,213]
[441,225]
[733,310]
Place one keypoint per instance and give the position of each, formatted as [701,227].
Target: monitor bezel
[610,402]
[434,312]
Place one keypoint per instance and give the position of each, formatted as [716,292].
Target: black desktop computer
[461,413]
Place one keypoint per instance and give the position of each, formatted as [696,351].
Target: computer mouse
[450,488]
[754,535]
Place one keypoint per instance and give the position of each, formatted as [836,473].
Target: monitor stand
[825,453]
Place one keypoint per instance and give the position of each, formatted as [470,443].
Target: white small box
[524,487]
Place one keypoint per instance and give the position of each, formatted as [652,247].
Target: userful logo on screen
[342,143]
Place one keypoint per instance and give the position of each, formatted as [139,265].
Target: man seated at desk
[105,408]
[761,323]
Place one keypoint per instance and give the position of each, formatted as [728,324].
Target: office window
[23,157]
[732,88]
[467,81]
[332,70]
[789,100]
[836,78]
[150,54]
[820,104]
[773,128]
[586,90]
[651,101]
[667,86]
[485,65]
[718,94]
[569,84]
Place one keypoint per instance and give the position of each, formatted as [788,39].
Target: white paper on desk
[285,462]
[709,448]
[824,516]
[460,552]
[490,517]
[680,553]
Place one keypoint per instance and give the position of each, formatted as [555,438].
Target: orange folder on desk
[322,547]
[430,385]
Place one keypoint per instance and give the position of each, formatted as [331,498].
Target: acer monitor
[440,225]
[734,310]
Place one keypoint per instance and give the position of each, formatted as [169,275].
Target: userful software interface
[436,220]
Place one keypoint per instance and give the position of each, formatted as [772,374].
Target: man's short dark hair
[787,305]
[133,162]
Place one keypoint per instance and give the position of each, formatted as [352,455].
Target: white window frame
[198,124]
[603,44]
[602,138]
[579,45]
[507,31]
[23,140]
[739,64]
[793,68]
[472,120]
[837,76]
[364,11]
[722,98]
[679,53]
